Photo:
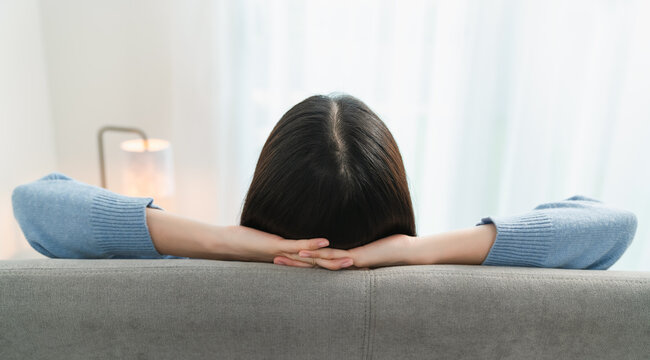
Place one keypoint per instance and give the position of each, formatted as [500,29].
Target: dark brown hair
[330,168]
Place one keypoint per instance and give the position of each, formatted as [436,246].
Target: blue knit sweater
[64,218]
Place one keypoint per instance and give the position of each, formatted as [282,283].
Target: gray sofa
[174,309]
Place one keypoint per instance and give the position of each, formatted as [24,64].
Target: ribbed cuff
[521,240]
[119,225]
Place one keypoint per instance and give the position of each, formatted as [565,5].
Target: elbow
[628,224]
[21,199]
[622,231]
[28,199]
[25,204]
[32,200]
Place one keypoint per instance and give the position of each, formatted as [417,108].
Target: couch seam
[523,276]
[366,316]
[58,271]
[209,267]
[131,268]
[373,314]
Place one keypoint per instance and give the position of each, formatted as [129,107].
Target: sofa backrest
[173,309]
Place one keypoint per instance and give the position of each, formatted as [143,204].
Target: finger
[357,268]
[294,246]
[299,258]
[325,253]
[334,264]
[281,260]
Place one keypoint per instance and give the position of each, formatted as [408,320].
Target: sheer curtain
[497,106]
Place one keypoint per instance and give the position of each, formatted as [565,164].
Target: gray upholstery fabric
[171,309]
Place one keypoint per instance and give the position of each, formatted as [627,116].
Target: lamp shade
[149,170]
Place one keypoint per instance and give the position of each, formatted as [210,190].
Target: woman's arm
[467,246]
[576,233]
[64,218]
[177,235]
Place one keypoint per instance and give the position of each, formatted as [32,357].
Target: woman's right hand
[389,251]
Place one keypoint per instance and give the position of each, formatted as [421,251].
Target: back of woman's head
[330,168]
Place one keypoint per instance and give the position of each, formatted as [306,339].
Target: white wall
[26,141]
[69,67]
[109,63]
[198,132]
[138,64]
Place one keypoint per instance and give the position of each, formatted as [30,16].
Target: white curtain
[497,106]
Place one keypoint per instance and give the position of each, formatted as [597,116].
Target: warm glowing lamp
[149,170]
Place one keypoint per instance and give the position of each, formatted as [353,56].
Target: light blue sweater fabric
[65,218]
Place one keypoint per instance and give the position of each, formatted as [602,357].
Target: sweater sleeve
[65,218]
[576,233]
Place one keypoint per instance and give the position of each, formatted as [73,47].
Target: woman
[330,174]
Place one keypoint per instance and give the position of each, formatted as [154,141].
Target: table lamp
[149,168]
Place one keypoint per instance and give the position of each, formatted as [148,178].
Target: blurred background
[497,105]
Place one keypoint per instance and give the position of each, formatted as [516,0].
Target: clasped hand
[255,245]
[391,250]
